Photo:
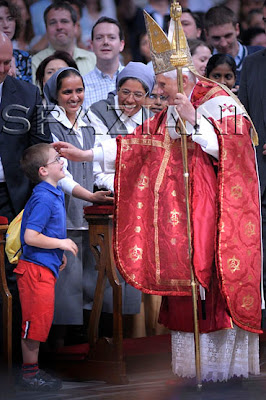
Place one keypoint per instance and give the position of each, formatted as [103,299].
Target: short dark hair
[219,15]
[109,21]
[218,59]
[61,55]
[33,158]
[14,12]
[57,5]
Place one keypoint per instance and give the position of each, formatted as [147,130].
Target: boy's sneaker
[41,381]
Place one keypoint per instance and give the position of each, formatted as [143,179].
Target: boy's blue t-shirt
[44,213]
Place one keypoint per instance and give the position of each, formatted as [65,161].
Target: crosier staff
[179,60]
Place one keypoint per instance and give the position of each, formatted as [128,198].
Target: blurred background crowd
[23,22]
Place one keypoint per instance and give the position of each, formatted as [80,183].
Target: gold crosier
[179,58]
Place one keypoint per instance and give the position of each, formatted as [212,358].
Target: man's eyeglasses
[156,96]
[56,160]
[137,95]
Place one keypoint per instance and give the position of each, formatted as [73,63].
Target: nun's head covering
[139,71]
[50,88]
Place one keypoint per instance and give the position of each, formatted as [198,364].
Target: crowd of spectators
[33,36]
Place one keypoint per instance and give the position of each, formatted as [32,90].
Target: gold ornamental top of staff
[170,52]
[179,58]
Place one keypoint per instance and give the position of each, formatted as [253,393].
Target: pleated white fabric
[224,354]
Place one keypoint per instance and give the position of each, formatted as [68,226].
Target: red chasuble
[150,229]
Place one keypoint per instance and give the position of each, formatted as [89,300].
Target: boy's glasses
[56,160]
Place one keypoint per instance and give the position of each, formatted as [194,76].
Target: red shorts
[36,292]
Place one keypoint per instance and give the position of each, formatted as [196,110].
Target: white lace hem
[224,354]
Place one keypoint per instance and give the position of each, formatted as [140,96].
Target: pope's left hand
[184,108]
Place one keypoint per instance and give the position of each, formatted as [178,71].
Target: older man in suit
[21,126]
[252,94]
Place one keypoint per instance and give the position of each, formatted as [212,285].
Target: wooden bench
[106,354]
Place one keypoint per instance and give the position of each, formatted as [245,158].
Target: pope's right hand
[72,153]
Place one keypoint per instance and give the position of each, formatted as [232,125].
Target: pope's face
[167,87]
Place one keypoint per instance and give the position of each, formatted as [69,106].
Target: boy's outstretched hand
[102,197]
[68,244]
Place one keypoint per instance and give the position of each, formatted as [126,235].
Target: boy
[43,239]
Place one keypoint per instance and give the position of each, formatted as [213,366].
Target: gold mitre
[168,53]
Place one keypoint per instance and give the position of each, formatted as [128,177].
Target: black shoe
[41,381]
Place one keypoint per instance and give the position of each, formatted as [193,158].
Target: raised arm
[72,153]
